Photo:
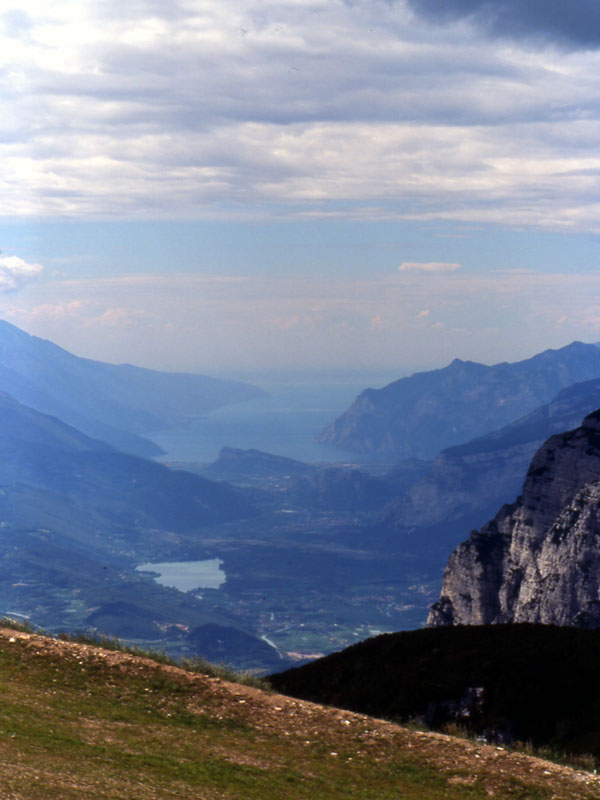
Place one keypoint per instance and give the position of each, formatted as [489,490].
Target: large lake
[284,423]
[187,575]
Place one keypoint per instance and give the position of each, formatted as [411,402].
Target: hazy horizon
[310,185]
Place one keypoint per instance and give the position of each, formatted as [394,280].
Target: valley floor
[78,721]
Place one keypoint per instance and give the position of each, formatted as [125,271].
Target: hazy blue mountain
[421,415]
[42,451]
[77,516]
[405,473]
[305,486]
[339,490]
[489,471]
[248,466]
[112,402]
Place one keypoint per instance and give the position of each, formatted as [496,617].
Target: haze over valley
[255,558]
[300,363]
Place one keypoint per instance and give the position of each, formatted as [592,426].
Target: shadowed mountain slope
[489,471]
[506,682]
[419,416]
[42,452]
[113,402]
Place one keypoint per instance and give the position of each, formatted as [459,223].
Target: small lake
[187,575]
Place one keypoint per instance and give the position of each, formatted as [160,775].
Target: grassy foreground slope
[77,721]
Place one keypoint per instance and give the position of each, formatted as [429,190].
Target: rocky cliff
[538,560]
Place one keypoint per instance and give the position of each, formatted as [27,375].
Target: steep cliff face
[538,560]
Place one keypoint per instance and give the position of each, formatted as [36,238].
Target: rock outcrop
[538,560]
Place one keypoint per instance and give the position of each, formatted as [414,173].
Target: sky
[311,184]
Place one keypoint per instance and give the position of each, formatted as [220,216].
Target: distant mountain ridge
[40,452]
[418,416]
[301,485]
[487,472]
[236,465]
[77,516]
[114,402]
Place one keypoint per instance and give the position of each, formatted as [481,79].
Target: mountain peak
[418,416]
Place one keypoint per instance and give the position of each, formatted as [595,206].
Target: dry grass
[78,721]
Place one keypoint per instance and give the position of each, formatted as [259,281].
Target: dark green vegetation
[429,411]
[508,683]
[77,721]
[115,403]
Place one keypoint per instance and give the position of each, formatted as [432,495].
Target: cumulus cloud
[428,266]
[14,273]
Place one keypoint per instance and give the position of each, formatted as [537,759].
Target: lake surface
[187,575]
[283,423]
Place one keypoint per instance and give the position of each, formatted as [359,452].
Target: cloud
[428,266]
[572,24]
[278,109]
[196,323]
[16,23]
[593,321]
[15,273]
[57,312]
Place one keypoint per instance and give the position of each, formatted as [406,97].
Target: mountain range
[76,518]
[483,474]
[314,555]
[418,416]
[118,403]
[301,485]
